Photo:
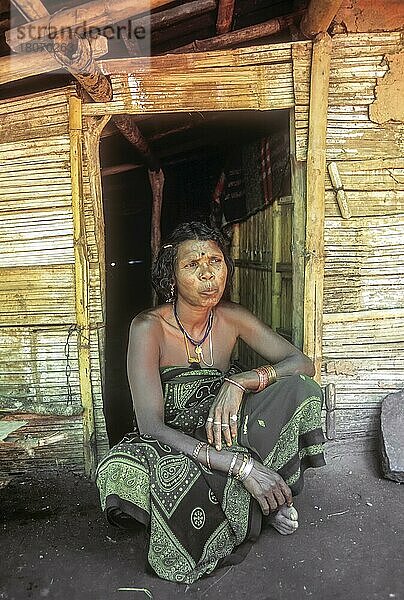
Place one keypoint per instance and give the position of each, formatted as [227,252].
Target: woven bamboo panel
[35,362]
[356,64]
[246,78]
[363,264]
[37,295]
[39,380]
[364,359]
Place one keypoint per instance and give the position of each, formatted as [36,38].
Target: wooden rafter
[127,126]
[234,38]
[31,9]
[225,12]
[95,14]
[318,16]
[74,53]
[19,66]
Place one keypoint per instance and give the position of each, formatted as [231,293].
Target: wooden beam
[157,184]
[298,189]
[127,126]
[81,271]
[318,16]
[74,53]
[224,19]
[225,12]
[84,17]
[173,16]
[31,9]
[19,66]
[316,170]
[234,38]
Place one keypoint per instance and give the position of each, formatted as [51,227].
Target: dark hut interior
[193,150]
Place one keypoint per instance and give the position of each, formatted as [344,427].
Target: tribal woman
[216,451]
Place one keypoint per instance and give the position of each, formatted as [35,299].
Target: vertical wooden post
[298,185]
[93,127]
[235,290]
[81,284]
[316,165]
[235,254]
[276,258]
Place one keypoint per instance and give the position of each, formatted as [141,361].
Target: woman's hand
[221,418]
[268,488]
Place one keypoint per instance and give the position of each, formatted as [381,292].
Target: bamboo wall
[364,285]
[39,381]
[264,270]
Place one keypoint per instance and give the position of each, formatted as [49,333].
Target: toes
[283,524]
[289,512]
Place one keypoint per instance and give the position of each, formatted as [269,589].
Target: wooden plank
[81,279]
[316,165]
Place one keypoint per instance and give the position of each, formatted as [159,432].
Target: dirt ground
[55,544]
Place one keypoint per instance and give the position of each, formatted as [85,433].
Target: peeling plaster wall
[356,16]
[389,104]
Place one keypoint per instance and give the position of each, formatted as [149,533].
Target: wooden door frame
[265,78]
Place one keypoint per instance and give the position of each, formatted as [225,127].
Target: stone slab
[392,436]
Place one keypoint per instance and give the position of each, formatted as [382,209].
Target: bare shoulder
[146,322]
[233,311]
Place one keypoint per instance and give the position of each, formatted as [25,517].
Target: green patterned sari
[200,519]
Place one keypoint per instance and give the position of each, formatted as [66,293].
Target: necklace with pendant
[197,343]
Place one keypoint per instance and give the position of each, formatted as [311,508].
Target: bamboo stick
[364,315]
[234,38]
[339,190]
[316,169]
[82,285]
[276,258]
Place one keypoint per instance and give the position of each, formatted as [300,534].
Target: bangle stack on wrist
[266,375]
[245,468]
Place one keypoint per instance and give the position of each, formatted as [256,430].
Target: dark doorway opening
[194,150]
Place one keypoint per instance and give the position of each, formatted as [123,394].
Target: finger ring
[234,417]
[225,426]
[209,419]
[217,422]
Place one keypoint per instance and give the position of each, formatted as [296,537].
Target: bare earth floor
[55,544]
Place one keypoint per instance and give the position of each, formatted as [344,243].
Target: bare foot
[285,520]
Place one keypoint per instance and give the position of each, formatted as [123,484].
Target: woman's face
[200,272]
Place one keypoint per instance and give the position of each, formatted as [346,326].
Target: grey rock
[392,436]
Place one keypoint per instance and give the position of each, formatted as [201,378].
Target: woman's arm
[143,359]
[286,358]
[144,379]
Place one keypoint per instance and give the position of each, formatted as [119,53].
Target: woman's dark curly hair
[163,269]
